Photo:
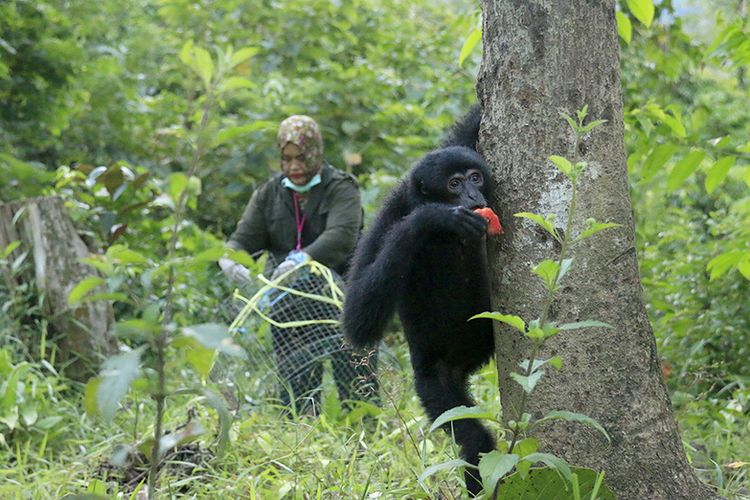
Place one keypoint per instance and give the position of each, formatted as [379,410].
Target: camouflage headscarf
[304,132]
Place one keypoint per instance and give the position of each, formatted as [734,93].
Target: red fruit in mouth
[494,227]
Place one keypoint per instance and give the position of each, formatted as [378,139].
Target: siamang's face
[466,188]
[455,186]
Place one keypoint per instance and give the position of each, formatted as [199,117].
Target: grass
[371,453]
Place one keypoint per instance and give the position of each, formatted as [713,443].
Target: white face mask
[304,188]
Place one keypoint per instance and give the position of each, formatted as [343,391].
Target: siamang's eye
[476,178]
[454,183]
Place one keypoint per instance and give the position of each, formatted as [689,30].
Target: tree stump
[83,332]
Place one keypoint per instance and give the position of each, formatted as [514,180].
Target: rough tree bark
[84,333]
[541,57]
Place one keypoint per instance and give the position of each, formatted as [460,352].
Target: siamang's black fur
[425,256]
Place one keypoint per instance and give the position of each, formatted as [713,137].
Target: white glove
[292,260]
[234,271]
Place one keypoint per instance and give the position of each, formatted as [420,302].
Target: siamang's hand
[464,222]
[467,223]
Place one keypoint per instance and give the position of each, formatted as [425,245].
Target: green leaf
[527,383]
[124,255]
[564,268]
[591,126]
[545,222]
[656,160]
[643,10]
[48,423]
[551,461]
[200,357]
[573,417]
[82,288]
[202,64]
[684,168]
[547,270]
[449,465]
[547,484]
[593,227]
[718,173]
[744,266]
[89,396]
[118,372]
[562,164]
[509,319]
[583,324]
[471,41]
[9,249]
[494,466]
[461,413]
[624,27]
[210,255]
[237,82]
[176,184]
[215,336]
[719,265]
[242,55]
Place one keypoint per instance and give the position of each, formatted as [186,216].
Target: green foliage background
[96,106]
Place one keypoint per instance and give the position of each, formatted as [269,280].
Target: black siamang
[425,256]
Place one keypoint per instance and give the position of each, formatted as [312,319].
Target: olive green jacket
[333,220]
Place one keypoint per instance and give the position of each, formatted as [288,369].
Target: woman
[309,210]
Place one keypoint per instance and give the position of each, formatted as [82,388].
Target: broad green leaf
[718,172]
[200,357]
[100,263]
[82,288]
[215,336]
[573,124]
[449,465]
[176,185]
[89,396]
[494,466]
[202,64]
[461,413]
[29,415]
[562,164]
[673,121]
[656,160]
[509,319]
[242,55]
[545,222]
[124,255]
[593,227]
[240,257]
[547,270]
[624,27]
[551,461]
[526,446]
[137,328]
[112,296]
[527,383]
[118,372]
[643,10]
[684,168]
[744,266]
[237,82]
[583,324]
[573,417]
[719,265]
[9,248]
[210,255]
[547,484]
[10,385]
[591,126]
[471,41]
[48,423]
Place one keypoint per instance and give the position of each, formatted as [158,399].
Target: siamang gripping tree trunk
[540,58]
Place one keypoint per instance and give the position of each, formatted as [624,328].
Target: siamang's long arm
[373,285]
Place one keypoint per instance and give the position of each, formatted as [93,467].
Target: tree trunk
[541,57]
[83,333]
